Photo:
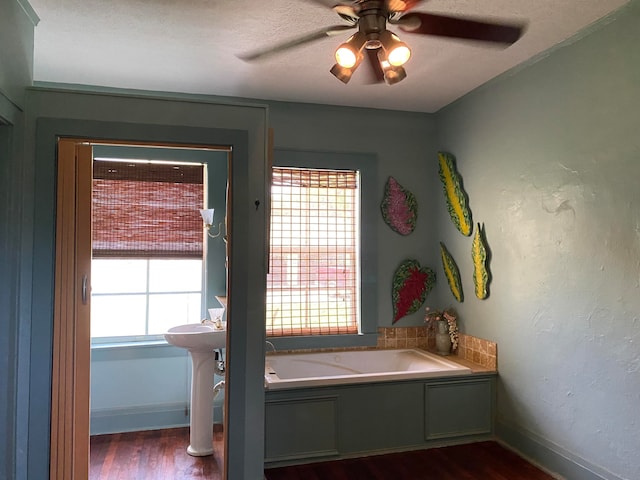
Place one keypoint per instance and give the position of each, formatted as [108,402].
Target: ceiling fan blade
[459,27]
[334,4]
[310,37]
[401,5]
[347,10]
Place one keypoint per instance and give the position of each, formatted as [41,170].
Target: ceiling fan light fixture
[346,57]
[342,73]
[349,53]
[399,55]
[398,52]
[392,74]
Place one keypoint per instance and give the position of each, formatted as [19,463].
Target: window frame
[367,165]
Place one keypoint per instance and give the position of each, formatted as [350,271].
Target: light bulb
[399,55]
[345,57]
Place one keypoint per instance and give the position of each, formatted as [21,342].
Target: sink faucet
[269,344]
[217,324]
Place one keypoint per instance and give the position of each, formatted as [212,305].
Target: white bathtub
[361,366]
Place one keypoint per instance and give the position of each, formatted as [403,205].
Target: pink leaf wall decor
[399,208]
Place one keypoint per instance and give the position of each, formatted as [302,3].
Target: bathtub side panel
[459,409]
[374,418]
[301,428]
[384,416]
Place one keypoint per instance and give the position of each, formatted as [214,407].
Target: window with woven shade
[312,285]
[144,209]
[147,244]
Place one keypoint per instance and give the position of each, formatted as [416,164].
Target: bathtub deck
[340,367]
[160,454]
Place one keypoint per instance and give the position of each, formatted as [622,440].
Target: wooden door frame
[71,328]
[71,362]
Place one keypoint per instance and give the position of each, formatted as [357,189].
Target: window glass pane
[145,312]
[169,310]
[175,275]
[118,315]
[118,276]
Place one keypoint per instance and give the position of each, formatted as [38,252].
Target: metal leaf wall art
[481,275]
[411,285]
[454,193]
[452,273]
[399,208]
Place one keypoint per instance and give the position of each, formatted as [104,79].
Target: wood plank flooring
[476,461]
[153,455]
[161,455]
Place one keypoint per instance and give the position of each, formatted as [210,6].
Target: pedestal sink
[201,340]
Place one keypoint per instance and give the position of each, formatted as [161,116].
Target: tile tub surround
[403,337]
[471,350]
[478,350]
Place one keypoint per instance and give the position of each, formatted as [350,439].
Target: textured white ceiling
[191,46]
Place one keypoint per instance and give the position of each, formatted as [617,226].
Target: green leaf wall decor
[399,207]
[411,285]
[452,273]
[480,268]
[455,195]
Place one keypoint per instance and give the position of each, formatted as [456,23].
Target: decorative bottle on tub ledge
[443,340]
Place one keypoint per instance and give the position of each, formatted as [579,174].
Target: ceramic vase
[443,340]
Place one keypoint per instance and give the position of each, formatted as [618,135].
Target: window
[147,247]
[137,297]
[313,280]
[331,285]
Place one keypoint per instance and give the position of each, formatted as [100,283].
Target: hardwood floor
[153,455]
[476,461]
[161,455]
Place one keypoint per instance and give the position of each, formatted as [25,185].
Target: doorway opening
[134,379]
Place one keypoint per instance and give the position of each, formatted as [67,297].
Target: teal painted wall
[549,156]
[9,291]
[17,21]
[142,388]
[131,391]
[405,146]
[157,118]
[399,136]
[16,58]
[551,161]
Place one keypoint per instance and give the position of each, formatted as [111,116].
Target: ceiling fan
[386,52]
